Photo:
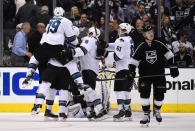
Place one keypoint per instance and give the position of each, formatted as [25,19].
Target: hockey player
[124,48]
[58,30]
[149,58]
[90,68]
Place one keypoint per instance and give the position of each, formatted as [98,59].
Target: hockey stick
[149,76]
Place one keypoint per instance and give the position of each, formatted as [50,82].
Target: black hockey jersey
[151,58]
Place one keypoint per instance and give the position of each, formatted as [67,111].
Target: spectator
[83,26]
[146,20]
[119,11]
[112,33]
[167,32]
[132,11]
[182,58]
[25,12]
[178,11]
[136,34]
[154,13]
[148,3]
[35,38]
[43,17]
[141,12]
[75,16]
[102,25]
[19,46]
[19,3]
[183,36]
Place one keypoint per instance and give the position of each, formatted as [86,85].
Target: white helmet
[76,30]
[125,28]
[59,11]
[95,32]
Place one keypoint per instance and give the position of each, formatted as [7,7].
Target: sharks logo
[151,56]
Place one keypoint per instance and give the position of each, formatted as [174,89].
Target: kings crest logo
[151,56]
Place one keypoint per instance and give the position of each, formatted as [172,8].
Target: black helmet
[146,28]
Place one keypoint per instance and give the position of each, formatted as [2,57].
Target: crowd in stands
[177,20]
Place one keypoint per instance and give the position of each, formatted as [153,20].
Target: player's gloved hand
[66,56]
[174,71]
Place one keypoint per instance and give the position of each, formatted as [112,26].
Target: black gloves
[132,72]
[66,56]
[174,71]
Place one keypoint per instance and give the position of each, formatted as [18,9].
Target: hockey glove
[66,56]
[174,71]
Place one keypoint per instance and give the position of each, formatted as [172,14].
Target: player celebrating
[124,47]
[90,69]
[149,58]
[58,30]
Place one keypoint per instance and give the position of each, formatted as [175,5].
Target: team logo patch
[151,56]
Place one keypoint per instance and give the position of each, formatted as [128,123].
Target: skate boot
[62,117]
[146,119]
[36,109]
[128,115]
[119,117]
[27,81]
[157,115]
[84,88]
[101,115]
[91,116]
[50,116]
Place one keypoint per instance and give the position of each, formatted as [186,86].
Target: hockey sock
[63,98]
[157,104]
[127,100]
[43,90]
[77,77]
[145,104]
[120,95]
[50,98]
[33,63]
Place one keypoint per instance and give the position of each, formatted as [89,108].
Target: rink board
[180,96]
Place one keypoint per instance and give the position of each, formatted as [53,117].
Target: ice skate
[50,116]
[101,115]
[27,82]
[119,117]
[128,115]
[62,117]
[91,116]
[146,120]
[36,109]
[83,88]
[157,115]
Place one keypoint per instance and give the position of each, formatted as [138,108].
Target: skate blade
[35,113]
[128,119]
[145,125]
[62,119]
[27,85]
[118,120]
[102,118]
[91,119]
[50,119]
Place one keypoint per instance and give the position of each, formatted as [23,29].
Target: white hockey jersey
[123,51]
[175,45]
[87,54]
[59,29]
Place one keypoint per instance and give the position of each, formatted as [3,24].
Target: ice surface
[25,122]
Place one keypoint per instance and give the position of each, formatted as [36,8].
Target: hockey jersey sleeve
[84,48]
[69,33]
[118,53]
[165,50]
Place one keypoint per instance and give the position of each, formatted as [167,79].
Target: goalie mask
[59,11]
[95,32]
[76,30]
[125,28]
